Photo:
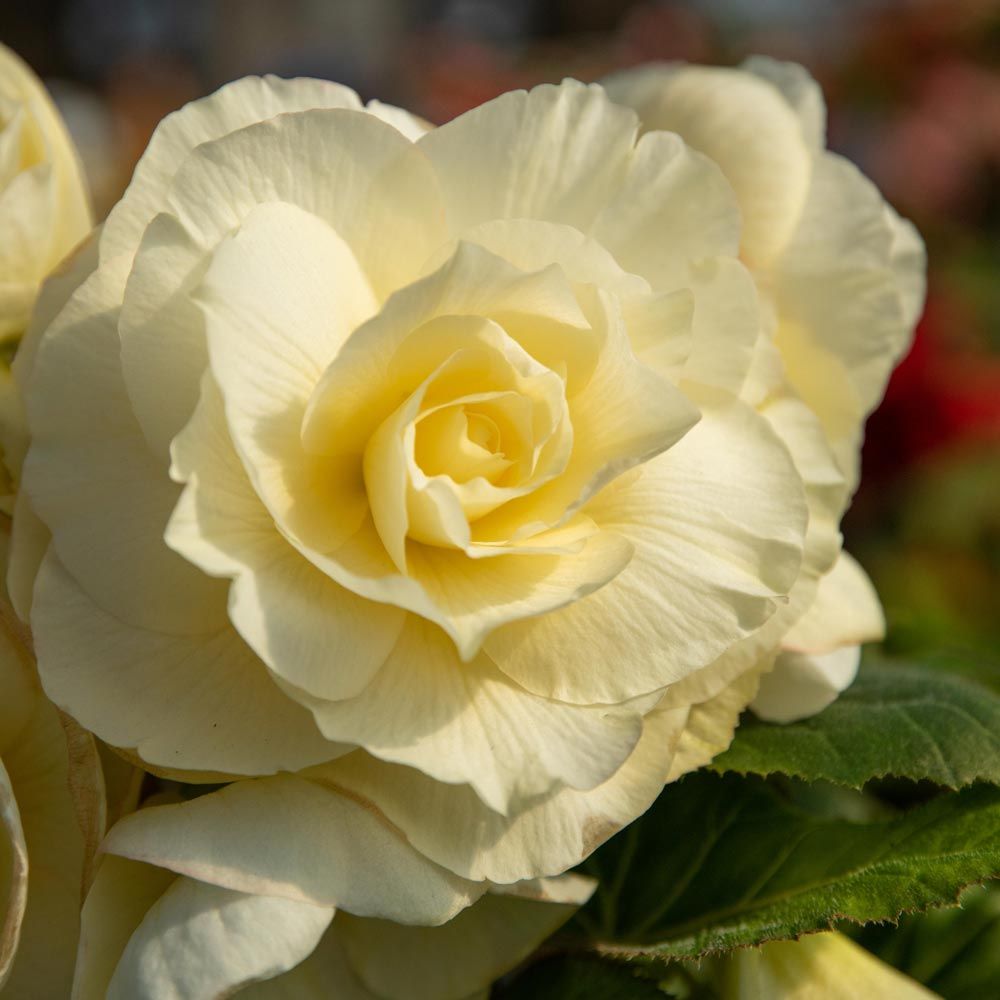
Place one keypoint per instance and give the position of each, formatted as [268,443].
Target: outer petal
[92,480]
[842,283]
[799,89]
[163,350]
[717,523]
[29,536]
[726,325]
[122,893]
[746,126]
[846,612]
[234,106]
[672,208]
[466,722]
[200,703]
[72,203]
[200,941]
[821,652]
[453,961]
[294,838]
[800,432]
[712,723]
[27,221]
[535,244]
[553,153]
[802,684]
[55,293]
[310,631]
[38,767]
[451,825]
[385,203]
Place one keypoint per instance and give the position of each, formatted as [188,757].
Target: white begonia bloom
[44,213]
[827,966]
[44,207]
[166,919]
[51,818]
[841,283]
[415,462]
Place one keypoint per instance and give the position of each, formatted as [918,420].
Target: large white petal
[38,767]
[120,896]
[717,523]
[203,703]
[745,126]
[310,631]
[802,92]
[295,838]
[451,824]
[553,153]
[711,724]
[202,942]
[802,684]
[72,219]
[850,279]
[27,217]
[845,612]
[726,324]
[163,350]
[821,652]
[280,297]
[361,176]
[672,208]
[234,106]
[467,723]
[825,490]
[93,481]
[535,244]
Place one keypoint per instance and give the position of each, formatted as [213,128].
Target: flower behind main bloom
[44,208]
[841,281]
[413,461]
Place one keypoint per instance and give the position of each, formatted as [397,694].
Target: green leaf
[578,977]
[906,721]
[955,952]
[721,862]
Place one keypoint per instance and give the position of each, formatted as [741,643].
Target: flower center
[461,443]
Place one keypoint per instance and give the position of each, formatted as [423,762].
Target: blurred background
[914,94]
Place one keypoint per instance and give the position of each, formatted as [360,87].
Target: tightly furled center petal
[518,413]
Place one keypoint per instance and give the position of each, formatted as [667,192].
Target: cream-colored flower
[841,281]
[826,966]
[44,213]
[415,459]
[165,918]
[51,817]
[44,209]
